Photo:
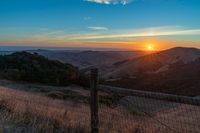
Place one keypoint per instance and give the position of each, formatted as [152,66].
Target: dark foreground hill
[23,66]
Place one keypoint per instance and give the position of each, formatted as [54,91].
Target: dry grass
[51,114]
[41,114]
[22,111]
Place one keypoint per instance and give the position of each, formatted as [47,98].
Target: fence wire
[139,113]
[143,114]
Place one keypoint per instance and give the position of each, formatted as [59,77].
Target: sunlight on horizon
[150,47]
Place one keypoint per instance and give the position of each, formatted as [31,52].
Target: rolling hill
[153,63]
[24,66]
[175,71]
[85,59]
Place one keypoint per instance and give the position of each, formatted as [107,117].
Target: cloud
[149,32]
[123,2]
[123,36]
[98,28]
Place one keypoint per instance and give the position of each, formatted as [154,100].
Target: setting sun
[150,47]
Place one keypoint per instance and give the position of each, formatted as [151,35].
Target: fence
[134,111]
[113,110]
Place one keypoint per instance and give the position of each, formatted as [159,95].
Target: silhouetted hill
[23,66]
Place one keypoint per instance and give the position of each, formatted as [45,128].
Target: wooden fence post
[94,101]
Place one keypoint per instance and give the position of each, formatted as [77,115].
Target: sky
[121,24]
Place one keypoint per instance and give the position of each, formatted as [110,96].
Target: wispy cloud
[98,28]
[107,37]
[149,32]
[123,2]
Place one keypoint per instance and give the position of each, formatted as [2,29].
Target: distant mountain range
[85,59]
[175,70]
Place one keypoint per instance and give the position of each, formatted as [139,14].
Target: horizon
[29,48]
[21,48]
[104,24]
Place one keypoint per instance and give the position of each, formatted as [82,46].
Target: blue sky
[100,23]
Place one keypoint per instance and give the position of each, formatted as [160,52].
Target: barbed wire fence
[111,110]
[133,111]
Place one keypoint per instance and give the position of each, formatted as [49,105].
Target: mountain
[24,66]
[175,71]
[85,59]
[153,63]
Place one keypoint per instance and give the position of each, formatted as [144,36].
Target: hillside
[84,59]
[175,71]
[153,63]
[23,66]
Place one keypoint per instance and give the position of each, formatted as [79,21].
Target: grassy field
[35,108]
[23,111]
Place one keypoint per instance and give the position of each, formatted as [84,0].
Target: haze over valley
[171,67]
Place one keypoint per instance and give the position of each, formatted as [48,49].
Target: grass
[50,114]
[36,113]
[58,110]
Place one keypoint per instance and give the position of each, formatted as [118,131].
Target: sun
[150,47]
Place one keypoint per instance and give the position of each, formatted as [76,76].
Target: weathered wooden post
[94,101]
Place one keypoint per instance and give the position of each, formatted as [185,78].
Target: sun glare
[150,47]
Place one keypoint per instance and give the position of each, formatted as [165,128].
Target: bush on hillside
[24,66]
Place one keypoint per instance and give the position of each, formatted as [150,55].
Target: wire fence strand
[148,112]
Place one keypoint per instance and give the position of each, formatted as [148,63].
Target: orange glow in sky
[150,47]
